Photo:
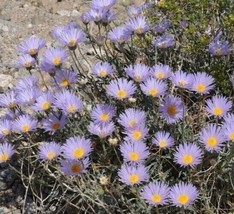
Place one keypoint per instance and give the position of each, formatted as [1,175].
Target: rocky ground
[20,19]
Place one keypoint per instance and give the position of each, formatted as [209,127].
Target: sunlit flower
[136,134]
[119,34]
[161,71]
[28,95]
[163,139]
[138,25]
[133,11]
[5,127]
[182,79]
[44,101]
[8,100]
[164,41]
[64,78]
[102,130]
[219,47]
[25,61]
[102,69]
[6,151]
[49,150]
[228,131]
[102,113]
[29,81]
[104,4]
[24,124]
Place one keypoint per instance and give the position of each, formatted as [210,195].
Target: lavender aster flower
[202,83]
[44,101]
[76,148]
[172,109]
[134,11]
[219,48]
[183,194]
[8,100]
[102,130]
[212,137]
[102,69]
[164,41]
[104,4]
[163,139]
[188,154]
[97,15]
[85,17]
[138,25]
[137,134]
[64,78]
[102,113]
[25,61]
[134,152]
[138,72]
[49,150]
[155,193]
[28,95]
[121,88]
[229,118]
[119,34]
[162,26]
[182,79]
[161,71]
[228,131]
[153,87]
[24,124]
[218,106]
[74,167]
[6,151]
[29,81]
[5,127]
[31,45]
[133,174]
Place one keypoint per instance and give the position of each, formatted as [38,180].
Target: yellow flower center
[56,126]
[136,135]
[72,108]
[50,155]
[104,117]
[56,61]
[212,142]
[182,83]
[76,168]
[183,199]
[200,88]
[64,83]
[133,156]
[4,157]
[187,159]
[137,78]
[156,198]
[217,111]
[5,131]
[103,73]
[121,94]
[172,110]
[132,123]
[25,128]
[160,75]
[78,153]
[231,136]
[46,105]
[162,143]
[32,51]
[153,92]
[133,178]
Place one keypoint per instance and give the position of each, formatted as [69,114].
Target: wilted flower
[121,88]
[102,113]
[163,139]
[218,106]
[102,69]
[6,151]
[212,137]
[133,174]
[31,45]
[49,150]
[76,148]
[103,180]
[161,71]
[182,79]
[202,83]
[138,25]
[164,41]
[155,193]
[183,194]
[188,154]
[44,101]
[102,130]
[162,26]
[172,109]
[25,123]
[134,152]
[25,61]
[154,87]
[119,34]
[113,141]
[74,167]
[138,72]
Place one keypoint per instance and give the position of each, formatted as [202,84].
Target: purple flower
[64,78]
[44,101]
[119,34]
[155,193]
[134,152]
[133,174]
[172,109]
[31,45]
[5,127]
[102,69]
[228,131]
[24,124]
[229,118]
[218,106]
[134,11]
[76,148]
[162,26]
[202,83]
[108,17]
[85,17]
[138,25]
[188,154]
[136,134]
[219,47]
[28,95]
[25,61]
[29,81]
[49,150]
[54,57]
[132,118]
[154,87]
[97,15]
[74,167]
[6,151]
[138,72]
[212,137]
[163,139]
[183,194]
[103,4]
[102,130]
[161,71]
[102,113]
[182,79]
[8,100]
[68,102]
[121,88]
[53,123]
[164,41]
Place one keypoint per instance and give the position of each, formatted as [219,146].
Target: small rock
[63,13]
[4,28]
[75,13]
[30,25]
[4,210]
